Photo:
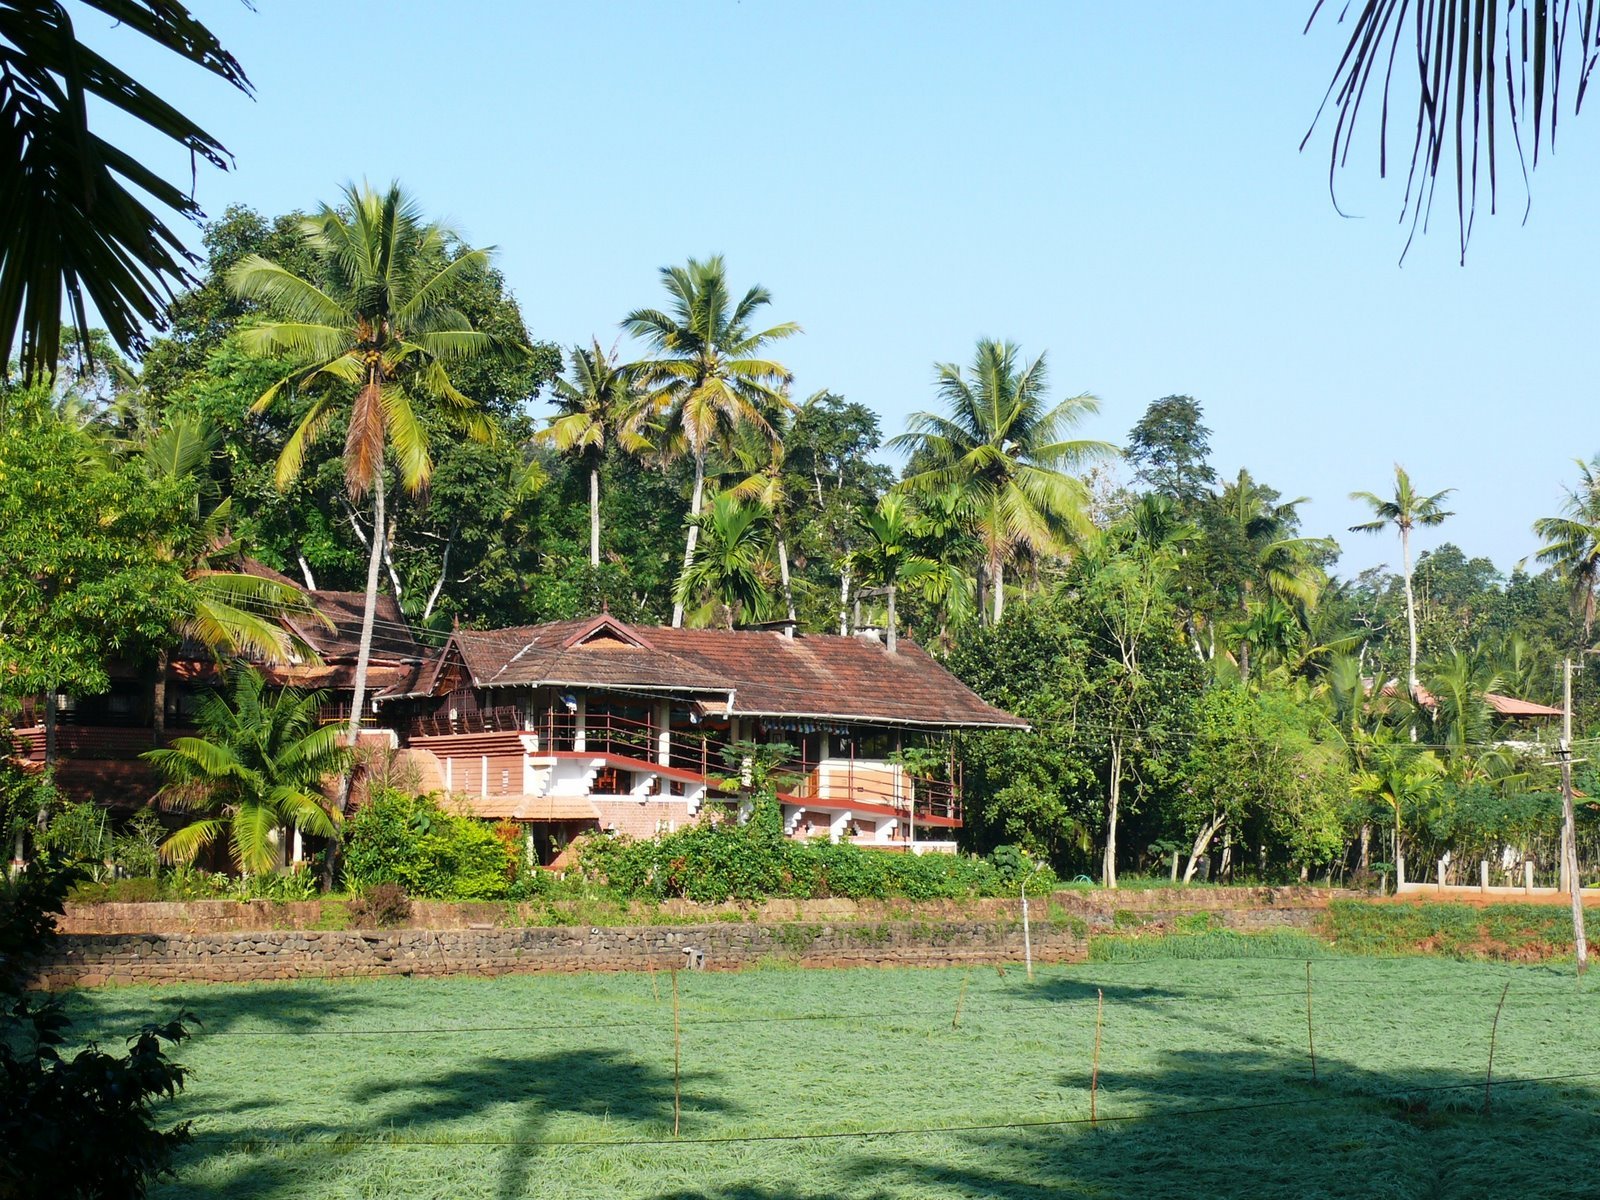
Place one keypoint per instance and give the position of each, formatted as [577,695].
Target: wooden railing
[481,720]
[875,781]
[89,741]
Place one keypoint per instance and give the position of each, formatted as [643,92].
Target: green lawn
[590,1058]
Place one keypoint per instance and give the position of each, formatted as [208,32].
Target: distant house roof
[391,634]
[765,674]
[1506,706]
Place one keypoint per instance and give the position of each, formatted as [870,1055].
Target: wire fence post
[655,988]
[1094,1073]
[1494,1031]
[677,1057]
[961,998]
[1311,1042]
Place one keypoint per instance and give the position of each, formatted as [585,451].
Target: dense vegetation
[1199,680]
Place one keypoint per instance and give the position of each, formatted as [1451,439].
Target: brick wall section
[86,960]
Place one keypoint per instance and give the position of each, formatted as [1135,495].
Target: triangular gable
[606,629]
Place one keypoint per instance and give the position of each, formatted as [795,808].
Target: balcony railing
[89,741]
[479,720]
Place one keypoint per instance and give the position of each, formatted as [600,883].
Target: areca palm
[1004,445]
[600,410]
[1405,510]
[732,567]
[1572,541]
[228,612]
[708,375]
[372,339]
[890,552]
[256,768]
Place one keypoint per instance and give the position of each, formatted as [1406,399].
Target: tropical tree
[75,223]
[888,552]
[1572,541]
[256,768]
[1396,776]
[229,612]
[732,567]
[1405,510]
[1253,550]
[1459,716]
[372,339]
[599,410]
[1004,445]
[707,376]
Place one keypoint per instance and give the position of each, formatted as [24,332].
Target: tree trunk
[1365,861]
[783,574]
[1244,661]
[305,570]
[444,573]
[694,530]
[1225,868]
[1202,843]
[998,580]
[1411,610]
[358,691]
[1108,867]
[158,698]
[50,726]
[893,646]
[844,601]
[594,516]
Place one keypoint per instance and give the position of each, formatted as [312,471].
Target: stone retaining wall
[217,916]
[83,960]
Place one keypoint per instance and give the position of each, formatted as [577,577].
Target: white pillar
[1483,876]
[483,776]
[664,732]
[299,846]
[580,741]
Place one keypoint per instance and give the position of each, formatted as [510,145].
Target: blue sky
[1118,185]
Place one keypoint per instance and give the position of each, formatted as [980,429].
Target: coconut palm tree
[372,340]
[1004,445]
[1473,114]
[600,410]
[889,552]
[256,768]
[76,222]
[1572,541]
[1405,510]
[732,566]
[708,376]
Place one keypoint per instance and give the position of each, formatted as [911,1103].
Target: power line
[347,1140]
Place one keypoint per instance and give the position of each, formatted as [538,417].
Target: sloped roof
[1506,706]
[391,634]
[769,674]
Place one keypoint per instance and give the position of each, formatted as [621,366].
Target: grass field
[289,1100]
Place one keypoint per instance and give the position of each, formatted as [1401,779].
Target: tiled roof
[819,676]
[391,635]
[1506,706]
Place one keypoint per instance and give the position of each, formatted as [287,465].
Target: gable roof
[1506,706]
[391,633]
[766,673]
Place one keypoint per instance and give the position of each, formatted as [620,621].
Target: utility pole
[1569,826]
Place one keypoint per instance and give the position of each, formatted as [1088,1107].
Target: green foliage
[712,862]
[77,1124]
[1517,932]
[1208,944]
[80,582]
[410,841]
[382,905]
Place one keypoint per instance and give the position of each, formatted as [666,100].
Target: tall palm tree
[708,375]
[372,338]
[1572,541]
[600,410]
[1406,510]
[1004,445]
[256,767]
[733,567]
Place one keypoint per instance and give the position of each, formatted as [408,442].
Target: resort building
[599,725]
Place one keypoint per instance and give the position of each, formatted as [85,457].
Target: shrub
[380,906]
[410,841]
[136,851]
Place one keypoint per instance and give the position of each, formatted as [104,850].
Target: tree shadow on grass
[507,1101]
[219,1009]
[1225,1124]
